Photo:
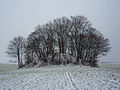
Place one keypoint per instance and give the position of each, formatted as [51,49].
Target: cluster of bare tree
[64,40]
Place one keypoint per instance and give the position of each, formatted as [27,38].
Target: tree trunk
[18,54]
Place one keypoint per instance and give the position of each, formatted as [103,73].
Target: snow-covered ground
[61,78]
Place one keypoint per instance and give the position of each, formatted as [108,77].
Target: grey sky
[19,17]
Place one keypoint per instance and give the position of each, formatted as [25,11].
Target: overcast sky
[19,17]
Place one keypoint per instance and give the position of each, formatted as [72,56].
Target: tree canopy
[65,40]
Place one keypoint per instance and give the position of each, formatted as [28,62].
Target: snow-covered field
[61,78]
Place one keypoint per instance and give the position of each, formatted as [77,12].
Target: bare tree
[79,25]
[61,28]
[16,49]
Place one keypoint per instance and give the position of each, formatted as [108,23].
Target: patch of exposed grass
[7,67]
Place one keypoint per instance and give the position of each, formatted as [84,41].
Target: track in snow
[61,78]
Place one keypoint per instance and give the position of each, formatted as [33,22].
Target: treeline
[61,41]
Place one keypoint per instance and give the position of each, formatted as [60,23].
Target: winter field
[69,77]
